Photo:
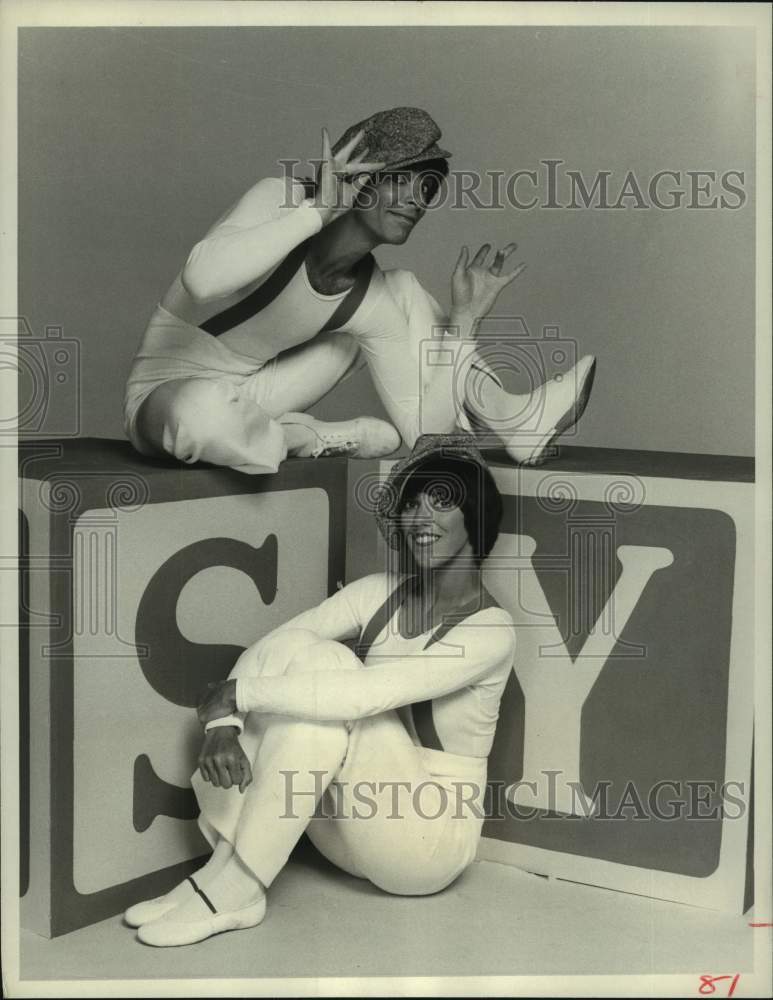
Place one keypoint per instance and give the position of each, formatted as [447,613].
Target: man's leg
[249,424]
[526,423]
[211,420]
[302,376]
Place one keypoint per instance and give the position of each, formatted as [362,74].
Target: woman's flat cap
[398,137]
[459,446]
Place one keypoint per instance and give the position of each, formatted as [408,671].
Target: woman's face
[391,208]
[432,523]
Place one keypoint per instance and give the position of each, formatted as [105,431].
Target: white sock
[233,888]
[214,865]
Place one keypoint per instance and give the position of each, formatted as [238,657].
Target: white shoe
[363,437]
[560,403]
[167,932]
[151,909]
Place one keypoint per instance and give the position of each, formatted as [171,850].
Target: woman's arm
[340,616]
[482,649]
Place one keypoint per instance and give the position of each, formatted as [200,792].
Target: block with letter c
[141,582]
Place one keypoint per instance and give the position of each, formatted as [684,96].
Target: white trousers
[190,396]
[379,807]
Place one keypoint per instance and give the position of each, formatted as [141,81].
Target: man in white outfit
[282,299]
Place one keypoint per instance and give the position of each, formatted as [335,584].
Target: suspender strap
[253,303]
[421,711]
[423,719]
[348,306]
[382,618]
[280,278]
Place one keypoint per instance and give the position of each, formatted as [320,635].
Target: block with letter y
[622,756]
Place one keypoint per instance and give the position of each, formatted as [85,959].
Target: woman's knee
[322,654]
[272,654]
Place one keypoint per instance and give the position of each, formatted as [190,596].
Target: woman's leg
[293,761]
[386,817]
[269,656]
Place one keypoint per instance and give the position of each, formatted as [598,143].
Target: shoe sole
[220,923]
[571,416]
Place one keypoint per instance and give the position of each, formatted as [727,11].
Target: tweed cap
[398,137]
[460,446]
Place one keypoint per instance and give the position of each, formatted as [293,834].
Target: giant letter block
[622,754]
[142,581]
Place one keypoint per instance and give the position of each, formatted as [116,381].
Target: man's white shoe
[363,437]
[168,932]
[556,405]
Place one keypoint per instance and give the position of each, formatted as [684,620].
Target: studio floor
[495,920]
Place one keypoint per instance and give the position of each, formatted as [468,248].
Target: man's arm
[270,220]
[259,231]
[447,351]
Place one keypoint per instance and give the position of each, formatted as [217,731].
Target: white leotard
[396,317]
[463,675]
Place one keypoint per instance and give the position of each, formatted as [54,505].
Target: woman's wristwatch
[226,720]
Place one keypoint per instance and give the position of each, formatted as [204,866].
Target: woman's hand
[220,701]
[222,760]
[335,195]
[476,286]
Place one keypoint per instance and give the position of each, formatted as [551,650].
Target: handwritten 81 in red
[707,986]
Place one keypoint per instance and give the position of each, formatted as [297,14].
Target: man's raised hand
[335,195]
[475,286]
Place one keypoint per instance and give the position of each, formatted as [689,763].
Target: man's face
[394,202]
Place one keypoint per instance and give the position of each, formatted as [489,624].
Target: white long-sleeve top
[463,675]
[398,325]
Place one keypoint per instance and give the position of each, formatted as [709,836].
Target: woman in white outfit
[381,759]
[283,299]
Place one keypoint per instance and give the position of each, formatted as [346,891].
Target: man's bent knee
[181,416]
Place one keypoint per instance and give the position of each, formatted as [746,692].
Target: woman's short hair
[466,483]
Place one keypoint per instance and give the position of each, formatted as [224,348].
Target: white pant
[420,810]
[202,401]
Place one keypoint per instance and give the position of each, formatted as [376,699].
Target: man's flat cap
[398,137]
